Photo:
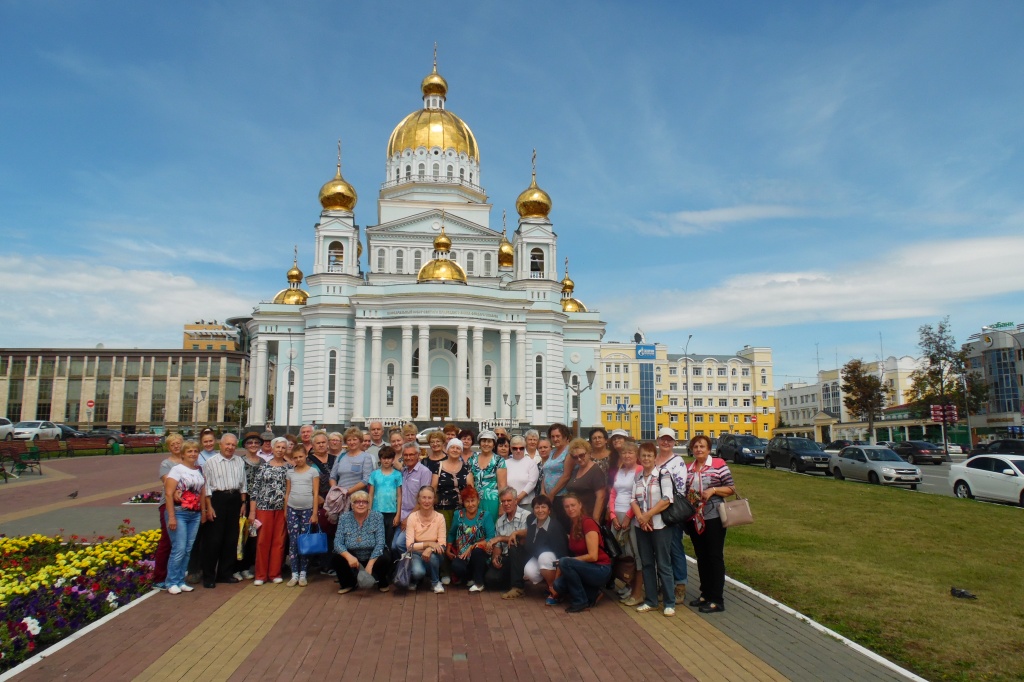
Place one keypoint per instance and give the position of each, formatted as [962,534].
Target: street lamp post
[578,390]
[686,380]
[195,408]
[512,404]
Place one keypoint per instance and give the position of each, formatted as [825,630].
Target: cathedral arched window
[462,174]
[487,265]
[335,257]
[539,382]
[399,261]
[537,264]
[471,176]
[408,172]
[417,260]
[381,260]
[396,175]
[437,170]
[390,388]
[450,171]
[422,170]
[332,377]
[488,373]
[469,263]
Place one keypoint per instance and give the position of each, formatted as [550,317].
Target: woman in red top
[588,568]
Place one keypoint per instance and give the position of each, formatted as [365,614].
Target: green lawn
[876,564]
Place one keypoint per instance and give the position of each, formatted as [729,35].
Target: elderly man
[266,452]
[508,556]
[414,477]
[669,461]
[376,440]
[306,438]
[226,498]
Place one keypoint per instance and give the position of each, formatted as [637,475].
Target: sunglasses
[360,502]
[580,456]
[518,449]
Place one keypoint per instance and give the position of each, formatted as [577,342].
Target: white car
[992,477]
[6,428]
[954,449]
[36,431]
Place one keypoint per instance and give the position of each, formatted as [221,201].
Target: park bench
[47,447]
[81,444]
[135,443]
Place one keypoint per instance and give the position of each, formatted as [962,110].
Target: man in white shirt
[376,439]
[226,493]
[508,554]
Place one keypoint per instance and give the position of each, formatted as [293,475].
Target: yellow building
[203,335]
[725,393]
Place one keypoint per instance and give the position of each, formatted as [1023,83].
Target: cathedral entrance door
[439,403]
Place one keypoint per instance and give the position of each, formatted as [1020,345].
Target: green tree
[945,374]
[864,394]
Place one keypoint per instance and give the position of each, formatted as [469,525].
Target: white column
[479,409]
[424,379]
[459,412]
[359,374]
[505,372]
[405,395]
[521,372]
[258,381]
[375,370]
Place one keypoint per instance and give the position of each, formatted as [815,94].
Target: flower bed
[49,587]
[152,497]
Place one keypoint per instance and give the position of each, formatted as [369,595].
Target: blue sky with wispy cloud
[781,174]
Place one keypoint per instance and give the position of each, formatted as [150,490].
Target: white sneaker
[186,588]
[248,575]
[173,589]
[439,589]
[277,580]
[446,580]
[293,582]
[302,580]
[476,588]
[257,582]
[237,576]
[669,612]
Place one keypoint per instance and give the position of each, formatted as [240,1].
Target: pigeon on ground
[73,495]
[961,594]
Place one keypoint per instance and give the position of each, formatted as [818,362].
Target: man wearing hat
[669,461]
[266,452]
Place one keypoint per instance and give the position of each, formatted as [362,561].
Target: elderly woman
[557,466]
[599,451]
[501,446]
[436,453]
[588,480]
[175,445]
[252,442]
[452,477]
[352,470]
[266,505]
[652,494]
[359,543]
[522,473]
[468,438]
[532,437]
[425,539]
[587,567]
[409,433]
[620,515]
[184,487]
[545,542]
[489,473]
[468,539]
[335,444]
[708,483]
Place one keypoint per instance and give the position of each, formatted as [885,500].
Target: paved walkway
[244,632]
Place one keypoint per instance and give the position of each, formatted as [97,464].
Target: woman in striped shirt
[708,483]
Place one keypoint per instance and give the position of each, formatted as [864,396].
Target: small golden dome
[434,84]
[442,242]
[338,195]
[533,202]
[442,270]
[506,254]
[291,297]
[359,250]
[294,274]
[567,284]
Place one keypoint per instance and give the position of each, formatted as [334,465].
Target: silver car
[874,464]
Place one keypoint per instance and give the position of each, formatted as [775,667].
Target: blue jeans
[419,570]
[398,543]
[678,555]
[656,559]
[181,544]
[581,579]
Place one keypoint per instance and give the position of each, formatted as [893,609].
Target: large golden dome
[533,202]
[431,128]
[442,268]
[506,254]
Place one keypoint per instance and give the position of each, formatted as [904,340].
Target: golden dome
[533,202]
[359,251]
[439,270]
[338,195]
[291,297]
[506,254]
[573,305]
[442,242]
[294,274]
[434,84]
[567,284]
[431,128]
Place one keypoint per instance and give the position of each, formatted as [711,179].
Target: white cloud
[54,302]
[696,222]
[913,281]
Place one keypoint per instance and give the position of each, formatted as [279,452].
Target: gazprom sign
[646,351]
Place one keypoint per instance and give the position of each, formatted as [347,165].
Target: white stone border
[881,660]
[25,665]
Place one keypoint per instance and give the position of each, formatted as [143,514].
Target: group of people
[580,517]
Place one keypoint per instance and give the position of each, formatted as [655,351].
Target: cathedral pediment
[428,225]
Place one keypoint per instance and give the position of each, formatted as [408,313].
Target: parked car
[112,435]
[798,454]
[739,449]
[36,431]
[835,446]
[886,443]
[915,451]
[6,429]
[68,432]
[954,448]
[421,437]
[874,464]
[993,477]
[1000,447]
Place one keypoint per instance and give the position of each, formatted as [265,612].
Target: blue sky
[779,174]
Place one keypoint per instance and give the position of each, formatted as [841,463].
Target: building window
[723,402]
[450,171]
[470,262]
[723,418]
[391,385]
[721,371]
[607,384]
[488,372]
[625,384]
[745,371]
[696,371]
[539,382]
[607,368]
[575,396]
[537,264]
[437,170]
[698,386]
[673,386]
[618,368]
[698,402]
[422,170]
[417,260]
[400,261]
[657,395]
[698,419]
[462,174]
[408,172]
[335,257]
[332,377]
[673,402]
[746,388]
[487,265]
[673,371]
[381,256]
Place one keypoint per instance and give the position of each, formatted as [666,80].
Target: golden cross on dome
[339,154]
[435,56]
[566,266]
[295,259]
[503,221]
[535,162]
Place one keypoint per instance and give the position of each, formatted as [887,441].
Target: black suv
[797,454]
[916,451]
[740,449]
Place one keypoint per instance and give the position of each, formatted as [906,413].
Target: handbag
[611,545]
[403,572]
[310,543]
[735,512]
[624,569]
[680,510]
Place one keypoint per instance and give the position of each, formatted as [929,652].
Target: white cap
[666,431]
[618,432]
[486,434]
[453,441]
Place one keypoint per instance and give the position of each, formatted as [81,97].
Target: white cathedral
[449,321]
